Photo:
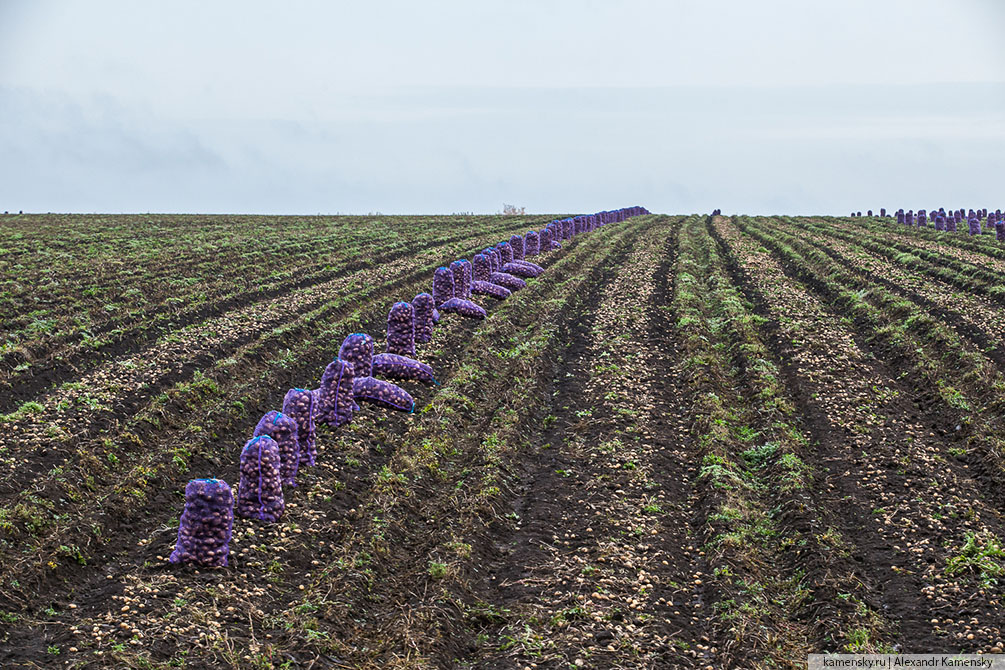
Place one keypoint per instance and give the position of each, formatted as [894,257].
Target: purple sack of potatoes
[206,524]
[488,288]
[382,393]
[260,493]
[423,317]
[531,244]
[532,266]
[335,394]
[357,349]
[283,430]
[520,270]
[505,252]
[463,307]
[516,243]
[468,276]
[1000,231]
[299,405]
[497,259]
[975,226]
[393,366]
[507,281]
[462,280]
[546,240]
[436,315]
[482,267]
[401,329]
[444,285]
[951,224]
[493,255]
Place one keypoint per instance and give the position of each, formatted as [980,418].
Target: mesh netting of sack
[299,405]
[516,244]
[260,493]
[393,366]
[284,431]
[951,224]
[468,274]
[401,329]
[546,239]
[507,281]
[465,308]
[335,394]
[504,251]
[382,393]
[975,226]
[496,291]
[1000,231]
[482,267]
[462,282]
[423,307]
[358,350]
[206,524]
[520,270]
[531,244]
[444,286]
[495,258]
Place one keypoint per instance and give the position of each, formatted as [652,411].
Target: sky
[558,106]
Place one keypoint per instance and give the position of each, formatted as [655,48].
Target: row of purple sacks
[285,440]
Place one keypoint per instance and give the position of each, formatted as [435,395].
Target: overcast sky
[773,106]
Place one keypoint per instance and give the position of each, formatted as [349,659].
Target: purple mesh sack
[436,315]
[1000,231]
[909,218]
[533,266]
[951,224]
[260,493]
[468,275]
[520,270]
[444,285]
[488,288]
[482,267]
[940,223]
[299,406]
[531,244]
[401,329]
[205,525]
[463,307]
[393,366]
[516,243]
[546,239]
[567,229]
[357,349]
[882,212]
[505,251]
[382,394]
[507,281]
[975,226]
[422,315]
[335,398]
[283,431]
[462,279]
